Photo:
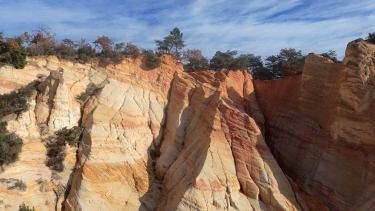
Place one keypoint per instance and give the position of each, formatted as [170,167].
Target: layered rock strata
[321,127]
[213,155]
[122,125]
[29,180]
[124,128]
[56,106]
[163,139]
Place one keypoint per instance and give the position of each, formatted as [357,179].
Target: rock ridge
[320,127]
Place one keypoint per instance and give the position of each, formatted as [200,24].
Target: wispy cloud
[259,27]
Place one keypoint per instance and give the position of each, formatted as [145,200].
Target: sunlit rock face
[56,105]
[29,180]
[213,155]
[163,139]
[122,126]
[321,127]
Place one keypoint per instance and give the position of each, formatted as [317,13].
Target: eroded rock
[321,127]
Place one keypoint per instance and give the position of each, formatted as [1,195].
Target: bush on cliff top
[19,58]
[371,37]
[12,51]
[153,61]
[331,55]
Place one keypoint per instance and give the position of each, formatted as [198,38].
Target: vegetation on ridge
[171,44]
[12,51]
[371,37]
[42,42]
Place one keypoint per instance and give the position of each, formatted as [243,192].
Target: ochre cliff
[156,139]
[213,155]
[122,125]
[164,139]
[321,127]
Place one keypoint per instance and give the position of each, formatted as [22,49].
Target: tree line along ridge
[42,42]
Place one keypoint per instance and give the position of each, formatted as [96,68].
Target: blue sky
[260,27]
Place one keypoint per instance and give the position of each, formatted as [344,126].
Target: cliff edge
[321,127]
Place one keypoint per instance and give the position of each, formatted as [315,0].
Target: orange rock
[213,154]
[320,127]
[156,139]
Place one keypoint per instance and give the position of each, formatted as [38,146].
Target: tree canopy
[171,44]
[194,60]
[12,51]
[331,55]
[104,44]
[222,60]
[288,62]
[42,42]
[153,61]
[371,37]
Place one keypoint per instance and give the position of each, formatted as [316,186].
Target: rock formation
[56,107]
[164,139]
[321,127]
[213,155]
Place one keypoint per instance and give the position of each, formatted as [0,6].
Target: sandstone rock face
[24,125]
[156,139]
[56,107]
[29,180]
[13,79]
[321,127]
[122,124]
[213,155]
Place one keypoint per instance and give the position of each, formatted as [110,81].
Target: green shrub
[152,60]
[371,37]
[20,185]
[56,153]
[65,52]
[41,50]
[131,50]
[10,145]
[56,149]
[86,52]
[19,58]
[116,58]
[331,55]
[69,135]
[91,90]
[23,207]
[84,96]
[155,153]
[15,102]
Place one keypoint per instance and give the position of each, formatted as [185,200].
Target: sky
[261,27]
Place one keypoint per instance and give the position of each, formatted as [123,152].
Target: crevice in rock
[156,152]
[295,194]
[68,186]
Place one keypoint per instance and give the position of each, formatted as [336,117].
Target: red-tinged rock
[321,127]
